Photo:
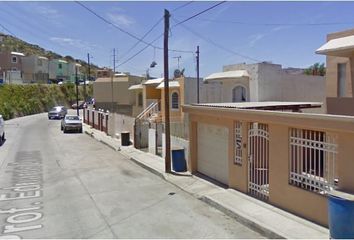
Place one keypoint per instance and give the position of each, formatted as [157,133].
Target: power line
[197,14]
[7,30]
[182,6]
[147,33]
[218,45]
[122,30]
[274,24]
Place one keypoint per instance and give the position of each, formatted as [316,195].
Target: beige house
[112,93]
[11,67]
[35,69]
[290,160]
[339,50]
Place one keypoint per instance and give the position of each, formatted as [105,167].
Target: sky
[286,33]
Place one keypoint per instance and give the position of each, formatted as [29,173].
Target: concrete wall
[118,123]
[336,106]
[176,143]
[305,203]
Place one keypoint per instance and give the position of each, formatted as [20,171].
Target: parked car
[57,112]
[71,123]
[2,130]
[82,104]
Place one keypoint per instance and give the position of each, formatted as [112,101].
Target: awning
[171,84]
[136,87]
[153,81]
[341,47]
[227,75]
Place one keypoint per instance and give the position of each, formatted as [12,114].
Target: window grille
[312,160]
[238,143]
[175,100]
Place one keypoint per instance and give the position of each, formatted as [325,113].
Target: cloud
[120,19]
[46,11]
[255,38]
[77,43]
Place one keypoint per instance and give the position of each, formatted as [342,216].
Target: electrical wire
[7,30]
[275,24]
[182,6]
[217,45]
[197,14]
[147,33]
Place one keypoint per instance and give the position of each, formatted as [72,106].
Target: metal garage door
[213,152]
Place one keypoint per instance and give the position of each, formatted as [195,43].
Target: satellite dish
[153,64]
[177,73]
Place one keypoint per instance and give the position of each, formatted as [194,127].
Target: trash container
[125,138]
[178,160]
[341,215]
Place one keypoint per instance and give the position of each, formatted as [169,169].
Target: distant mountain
[11,43]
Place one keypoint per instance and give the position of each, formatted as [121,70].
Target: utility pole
[77,91]
[167,94]
[197,73]
[88,62]
[112,77]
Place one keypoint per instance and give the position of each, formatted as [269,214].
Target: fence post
[88,116]
[84,113]
[93,118]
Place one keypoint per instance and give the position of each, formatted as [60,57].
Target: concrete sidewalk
[270,221]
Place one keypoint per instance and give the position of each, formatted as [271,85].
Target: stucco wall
[305,203]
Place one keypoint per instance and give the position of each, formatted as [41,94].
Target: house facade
[112,93]
[339,51]
[268,153]
[11,67]
[264,82]
[35,69]
[72,68]
[58,70]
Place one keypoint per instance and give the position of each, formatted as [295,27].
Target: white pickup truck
[2,130]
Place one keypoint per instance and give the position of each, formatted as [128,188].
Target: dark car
[82,105]
[57,112]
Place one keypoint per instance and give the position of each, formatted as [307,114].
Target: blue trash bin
[178,160]
[341,215]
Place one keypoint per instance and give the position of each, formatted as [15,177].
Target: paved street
[56,185]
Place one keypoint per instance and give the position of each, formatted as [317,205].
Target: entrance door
[258,160]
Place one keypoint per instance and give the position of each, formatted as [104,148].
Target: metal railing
[312,160]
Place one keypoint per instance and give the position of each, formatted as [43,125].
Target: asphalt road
[55,185]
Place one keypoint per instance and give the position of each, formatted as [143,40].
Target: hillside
[11,43]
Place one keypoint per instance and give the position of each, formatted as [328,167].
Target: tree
[317,69]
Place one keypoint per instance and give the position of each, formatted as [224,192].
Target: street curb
[268,233]
[154,171]
[91,134]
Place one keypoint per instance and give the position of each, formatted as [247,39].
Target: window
[239,94]
[13,69]
[238,143]
[175,100]
[60,66]
[341,79]
[14,59]
[312,160]
[140,99]
[40,63]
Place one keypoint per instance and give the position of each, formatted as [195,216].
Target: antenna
[178,57]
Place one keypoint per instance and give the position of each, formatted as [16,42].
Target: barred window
[312,160]
[175,104]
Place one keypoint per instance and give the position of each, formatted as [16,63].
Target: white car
[2,130]
[71,123]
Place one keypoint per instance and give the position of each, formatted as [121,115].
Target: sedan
[71,123]
[57,112]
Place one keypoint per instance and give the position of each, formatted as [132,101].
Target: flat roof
[227,75]
[154,81]
[270,105]
[18,54]
[109,79]
[136,87]
[343,46]
[171,84]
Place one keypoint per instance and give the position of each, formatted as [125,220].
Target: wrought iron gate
[258,160]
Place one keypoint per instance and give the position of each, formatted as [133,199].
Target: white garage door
[213,152]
